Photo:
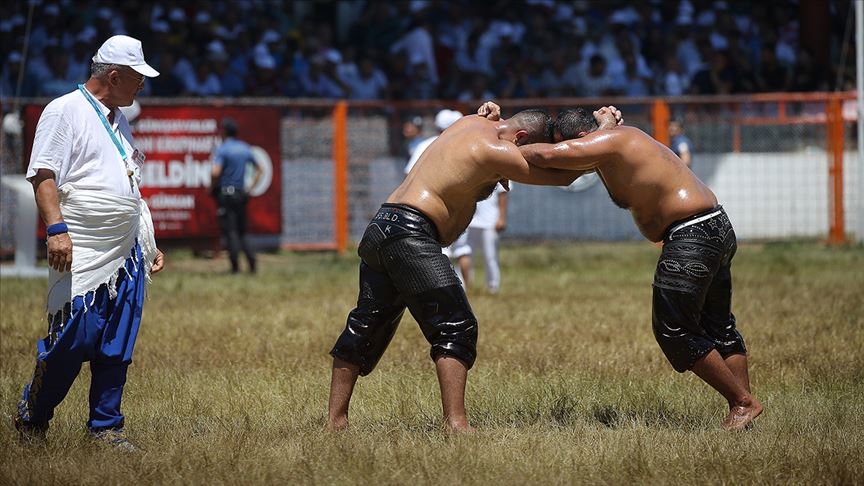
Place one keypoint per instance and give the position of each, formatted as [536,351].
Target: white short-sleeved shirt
[72,142]
[487,213]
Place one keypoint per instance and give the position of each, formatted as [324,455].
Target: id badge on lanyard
[137,155]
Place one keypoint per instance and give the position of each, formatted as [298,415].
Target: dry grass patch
[231,375]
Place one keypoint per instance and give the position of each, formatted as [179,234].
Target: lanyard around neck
[104,122]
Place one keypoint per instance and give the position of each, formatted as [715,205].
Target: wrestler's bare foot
[458,426]
[741,416]
[337,424]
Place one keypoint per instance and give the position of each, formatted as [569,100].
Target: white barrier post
[25,230]
[859,69]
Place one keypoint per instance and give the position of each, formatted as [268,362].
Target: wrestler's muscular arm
[506,162]
[48,202]
[504,158]
[583,154]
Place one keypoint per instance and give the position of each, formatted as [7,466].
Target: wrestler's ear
[521,137]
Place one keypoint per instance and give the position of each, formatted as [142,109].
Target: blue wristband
[56,229]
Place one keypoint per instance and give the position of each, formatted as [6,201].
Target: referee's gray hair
[101,69]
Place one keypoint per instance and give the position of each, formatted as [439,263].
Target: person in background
[228,182]
[368,83]
[168,83]
[489,220]
[443,119]
[86,175]
[412,133]
[679,143]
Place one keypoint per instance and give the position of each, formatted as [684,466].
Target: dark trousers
[232,223]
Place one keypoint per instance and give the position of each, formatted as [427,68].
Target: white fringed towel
[103,228]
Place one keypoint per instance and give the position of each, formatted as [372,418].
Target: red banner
[179,143]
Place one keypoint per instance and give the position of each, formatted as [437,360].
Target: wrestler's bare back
[451,175]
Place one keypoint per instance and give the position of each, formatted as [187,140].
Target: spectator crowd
[428,49]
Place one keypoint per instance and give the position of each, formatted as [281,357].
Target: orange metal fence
[347,156]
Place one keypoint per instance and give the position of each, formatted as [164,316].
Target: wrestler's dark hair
[537,123]
[571,122]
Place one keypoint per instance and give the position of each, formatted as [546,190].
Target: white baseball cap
[445,118]
[125,51]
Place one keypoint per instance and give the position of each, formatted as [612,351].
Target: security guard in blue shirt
[228,181]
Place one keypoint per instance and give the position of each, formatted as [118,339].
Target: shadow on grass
[660,416]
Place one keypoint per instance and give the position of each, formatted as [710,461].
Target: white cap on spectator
[124,51]
[445,118]
[12,123]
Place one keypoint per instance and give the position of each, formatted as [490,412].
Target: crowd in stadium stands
[428,49]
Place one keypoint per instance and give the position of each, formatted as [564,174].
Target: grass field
[231,374]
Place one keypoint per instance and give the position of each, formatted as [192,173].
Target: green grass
[231,374]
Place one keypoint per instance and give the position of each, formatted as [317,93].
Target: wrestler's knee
[458,341]
[364,339]
[732,347]
[682,350]
[447,322]
[723,331]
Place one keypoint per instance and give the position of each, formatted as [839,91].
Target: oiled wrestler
[692,318]
[402,264]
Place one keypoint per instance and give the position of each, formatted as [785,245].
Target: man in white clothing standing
[490,219]
[86,174]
